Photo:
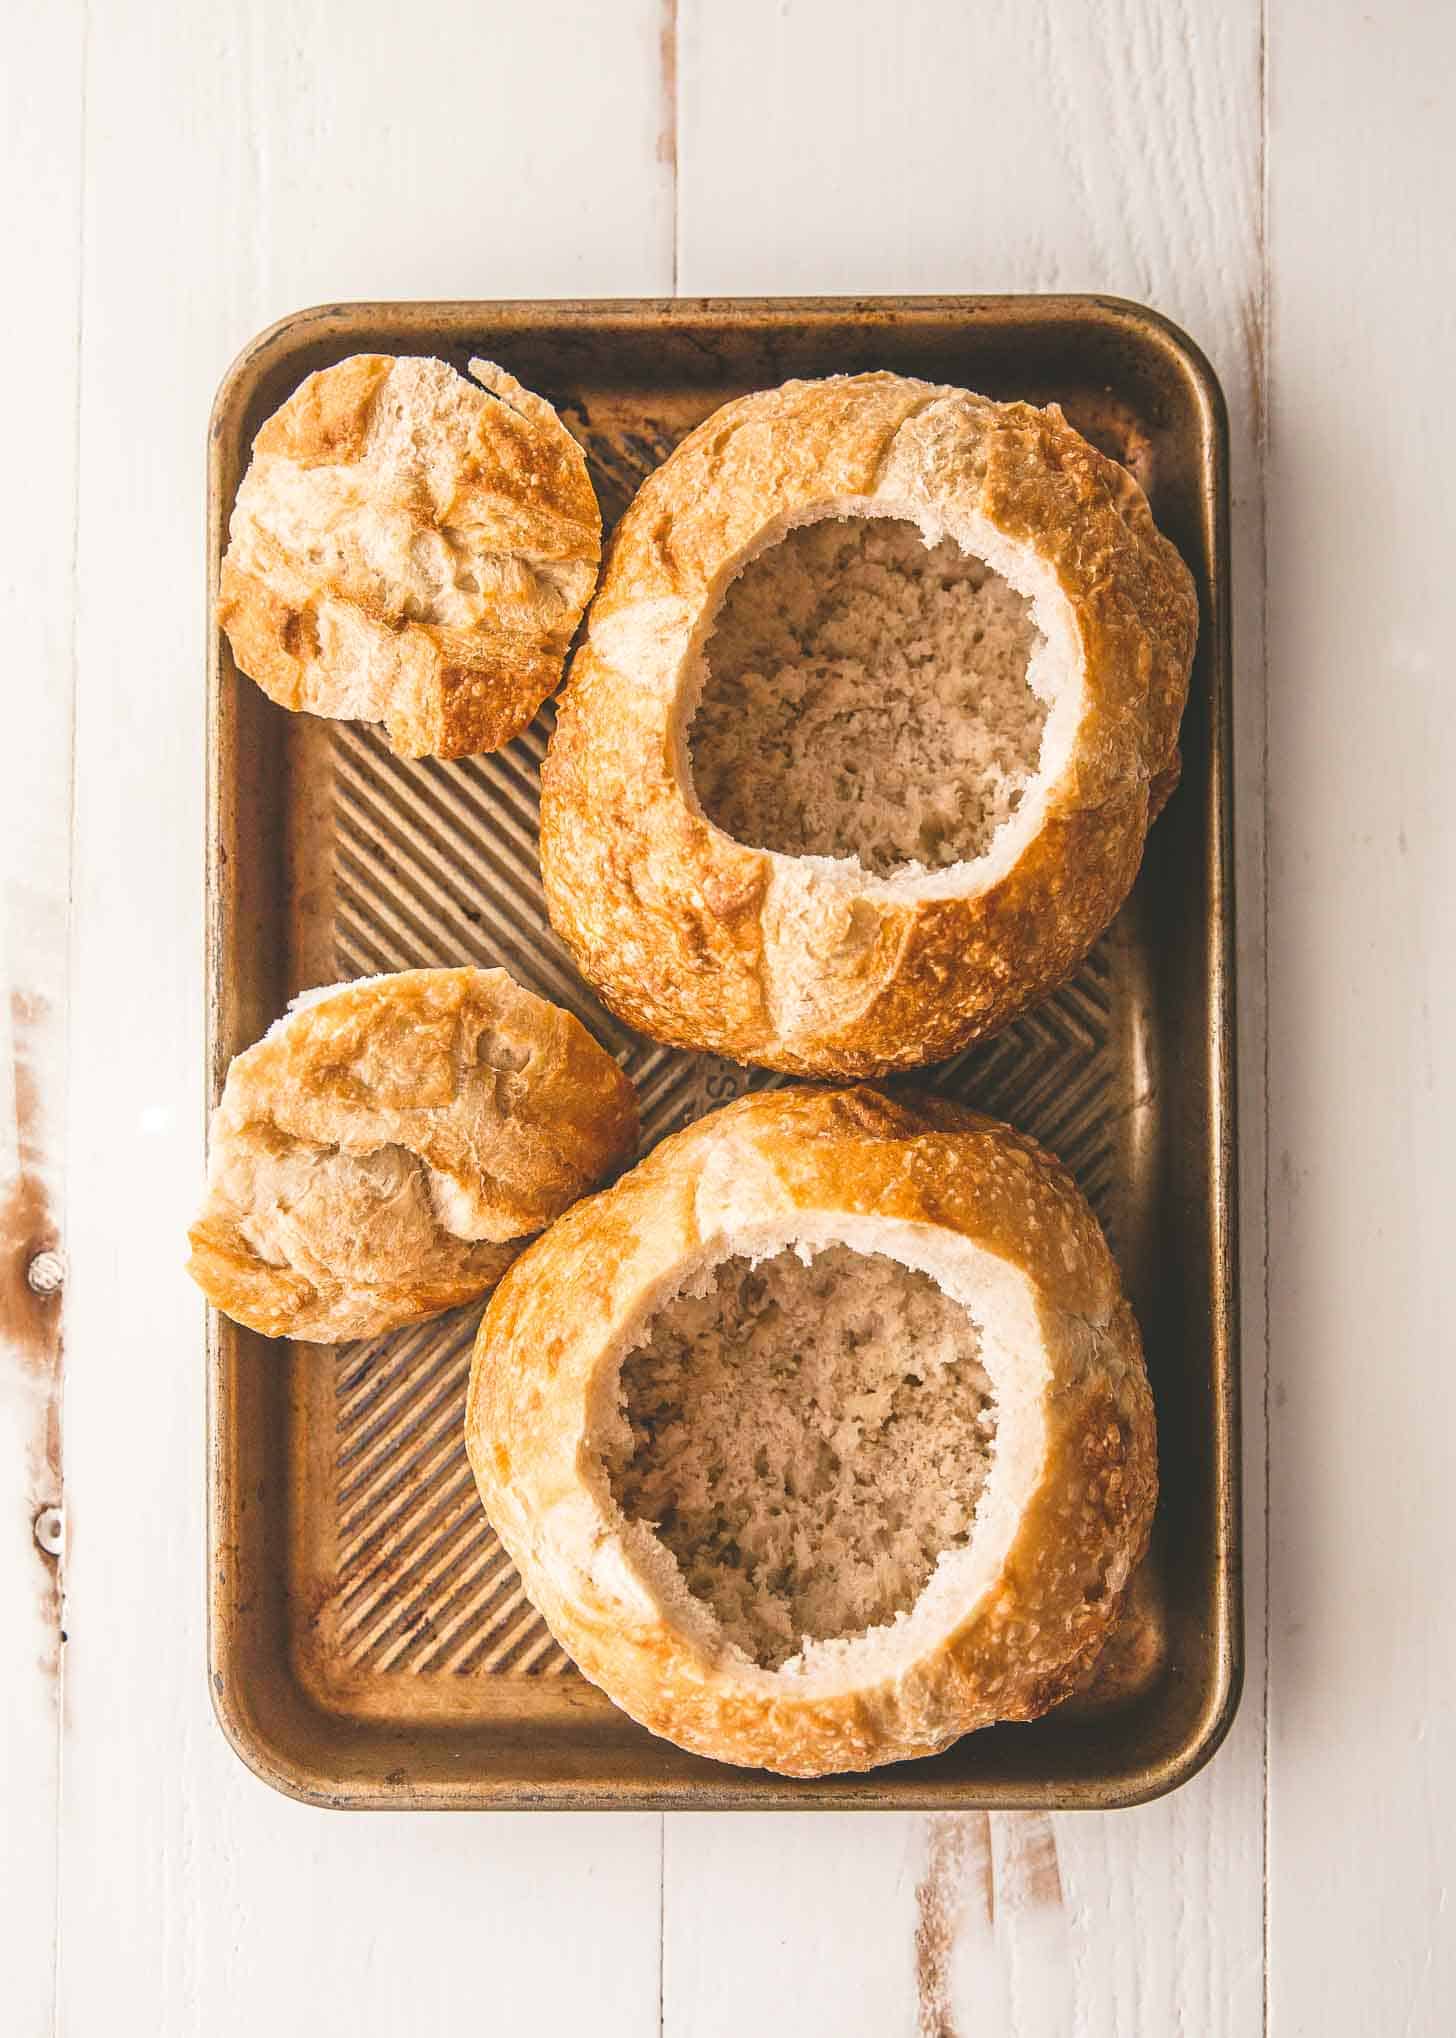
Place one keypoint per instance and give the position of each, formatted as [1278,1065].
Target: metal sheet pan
[369,1643]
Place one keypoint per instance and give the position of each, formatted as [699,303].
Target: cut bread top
[411,549]
[382,1151]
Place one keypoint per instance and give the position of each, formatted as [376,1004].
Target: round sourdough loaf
[410,549]
[822,1437]
[879,694]
[386,1148]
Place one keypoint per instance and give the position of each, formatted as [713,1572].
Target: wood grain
[1362,612]
[40,221]
[1012,146]
[241,161]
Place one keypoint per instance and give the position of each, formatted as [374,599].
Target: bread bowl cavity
[808,1430]
[875,694]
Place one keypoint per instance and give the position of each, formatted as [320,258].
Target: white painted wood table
[1278,181]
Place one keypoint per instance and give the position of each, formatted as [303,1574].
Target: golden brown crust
[382,1153]
[544,1358]
[408,548]
[701,940]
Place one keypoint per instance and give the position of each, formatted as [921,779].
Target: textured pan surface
[370,1643]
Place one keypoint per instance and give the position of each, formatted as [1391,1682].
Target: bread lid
[385,1149]
[412,549]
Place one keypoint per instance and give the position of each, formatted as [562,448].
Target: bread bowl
[386,1148]
[879,694]
[411,549]
[822,1437]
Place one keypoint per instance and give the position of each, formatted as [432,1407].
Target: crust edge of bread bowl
[1077,1465]
[810,965]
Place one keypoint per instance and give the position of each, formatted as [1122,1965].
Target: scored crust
[410,549]
[809,964]
[383,1152]
[1015,1624]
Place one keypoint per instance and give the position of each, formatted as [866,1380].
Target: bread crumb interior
[806,1440]
[866,696]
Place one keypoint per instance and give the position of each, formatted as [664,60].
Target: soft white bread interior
[809,1434]
[824,1436]
[878,697]
[870,698]
[412,549]
[386,1148]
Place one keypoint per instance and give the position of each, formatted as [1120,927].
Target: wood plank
[40,220]
[243,160]
[1362,614]
[1009,146]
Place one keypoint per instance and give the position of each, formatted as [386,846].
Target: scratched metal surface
[434,863]
[371,1642]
